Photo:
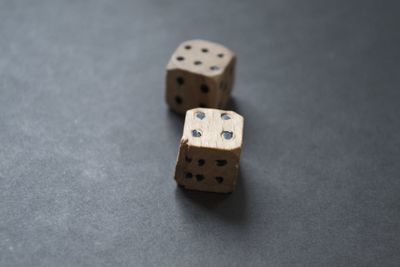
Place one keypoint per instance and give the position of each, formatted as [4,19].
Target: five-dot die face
[209,153]
[199,74]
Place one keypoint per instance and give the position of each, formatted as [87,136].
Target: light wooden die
[199,74]
[209,152]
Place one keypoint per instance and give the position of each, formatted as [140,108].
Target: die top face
[213,128]
[201,57]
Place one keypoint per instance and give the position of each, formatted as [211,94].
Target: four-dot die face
[209,153]
[199,74]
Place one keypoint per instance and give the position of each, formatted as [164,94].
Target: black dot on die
[188,175]
[200,115]
[219,179]
[221,162]
[204,88]
[178,100]
[196,133]
[199,177]
[180,80]
[227,135]
[201,162]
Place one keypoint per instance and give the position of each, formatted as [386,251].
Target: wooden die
[209,153]
[199,74]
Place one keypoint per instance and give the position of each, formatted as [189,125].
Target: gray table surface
[88,146]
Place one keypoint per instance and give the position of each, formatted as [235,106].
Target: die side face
[208,158]
[205,169]
[226,83]
[186,91]
[199,74]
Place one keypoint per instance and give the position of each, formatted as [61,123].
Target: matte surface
[88,146]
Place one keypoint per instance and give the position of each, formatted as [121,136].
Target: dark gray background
[88,146]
